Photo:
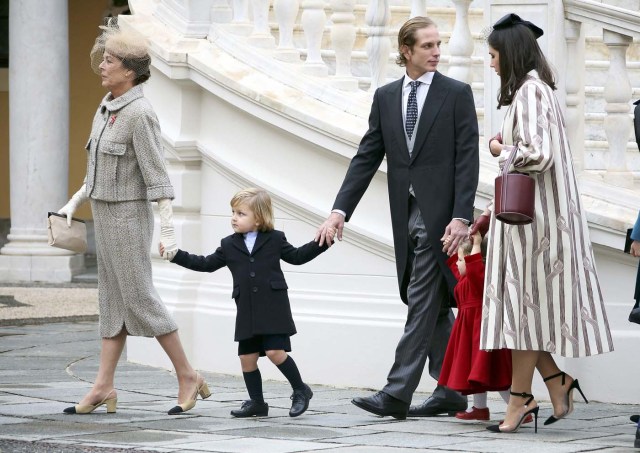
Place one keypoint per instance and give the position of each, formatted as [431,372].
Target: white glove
[72,205]
[167,233]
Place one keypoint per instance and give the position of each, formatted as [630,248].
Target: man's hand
[635,248]
[480,225]
[453,234]
[327,231]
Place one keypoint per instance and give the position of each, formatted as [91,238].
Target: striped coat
[541,285]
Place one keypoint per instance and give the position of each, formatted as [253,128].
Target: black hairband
[513,19]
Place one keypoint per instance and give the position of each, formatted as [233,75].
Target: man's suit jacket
[443,168]
[636,122]
[259,287]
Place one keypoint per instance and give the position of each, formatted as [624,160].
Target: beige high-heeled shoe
[202,389]
[111,404]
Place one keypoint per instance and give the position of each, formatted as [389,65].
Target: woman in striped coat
[542,294]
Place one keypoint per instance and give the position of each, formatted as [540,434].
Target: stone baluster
[461,44]
[286,13]
[418,8]
[574,67]
[221,12]
[343,37]
[313,21]
[240,23]
[617,94]
[261,35]
[378,45]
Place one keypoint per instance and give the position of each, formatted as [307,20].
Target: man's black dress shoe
[251,408]
[635,418]
[436,406]
[383,405]
[300,401]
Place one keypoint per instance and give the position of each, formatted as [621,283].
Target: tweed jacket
[125,159]
[259,287]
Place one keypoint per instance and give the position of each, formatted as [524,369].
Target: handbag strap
[509,162]
[505,171]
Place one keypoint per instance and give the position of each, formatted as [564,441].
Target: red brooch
[112,120]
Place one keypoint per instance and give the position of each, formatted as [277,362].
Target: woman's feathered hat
[125,44]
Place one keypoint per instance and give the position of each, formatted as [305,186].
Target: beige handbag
[73,238]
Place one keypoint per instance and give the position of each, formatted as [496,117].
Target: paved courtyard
[46,366]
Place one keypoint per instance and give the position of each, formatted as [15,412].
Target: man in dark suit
[425,124]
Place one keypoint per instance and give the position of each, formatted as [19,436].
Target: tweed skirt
[126,295]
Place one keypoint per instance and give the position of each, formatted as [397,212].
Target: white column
[240,23]
[617,94]
[286,14]
[461,44]
[343,37]
[575,93]
[192,18]
[261,35]
[38,140]
[378,45]
[418,8]
[313,21]
[220,12]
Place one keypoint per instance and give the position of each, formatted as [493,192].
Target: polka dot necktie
[412,109]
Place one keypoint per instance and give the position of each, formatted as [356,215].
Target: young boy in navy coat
[264,321]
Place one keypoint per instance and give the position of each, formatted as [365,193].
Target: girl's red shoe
[474,414]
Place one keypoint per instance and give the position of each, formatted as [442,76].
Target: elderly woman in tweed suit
[542,294]
[125,172]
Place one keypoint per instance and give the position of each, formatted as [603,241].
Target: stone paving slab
[47,367]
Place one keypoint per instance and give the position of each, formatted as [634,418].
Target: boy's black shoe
[300,401]
[251,408]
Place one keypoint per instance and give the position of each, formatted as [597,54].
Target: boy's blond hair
[259,201]
[466,245]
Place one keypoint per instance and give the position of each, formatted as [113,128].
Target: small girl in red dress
[466,368]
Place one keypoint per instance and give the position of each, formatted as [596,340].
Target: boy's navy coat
[259,287]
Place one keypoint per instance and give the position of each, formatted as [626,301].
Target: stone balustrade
[350,44]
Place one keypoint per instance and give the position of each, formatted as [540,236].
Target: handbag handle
[505,172]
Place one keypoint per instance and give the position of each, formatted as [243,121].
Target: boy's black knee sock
[253,381]
[290,371]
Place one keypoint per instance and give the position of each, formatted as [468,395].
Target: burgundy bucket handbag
[514,196]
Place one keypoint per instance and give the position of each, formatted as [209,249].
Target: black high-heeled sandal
[569,397]
[534,411]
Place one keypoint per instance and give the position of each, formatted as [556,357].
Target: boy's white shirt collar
[250,239]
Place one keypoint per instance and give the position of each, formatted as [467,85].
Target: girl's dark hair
[519,53]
